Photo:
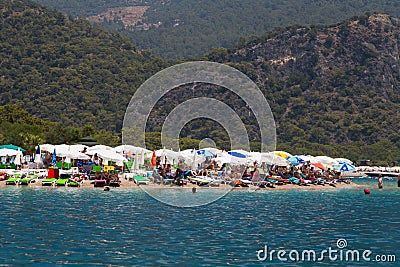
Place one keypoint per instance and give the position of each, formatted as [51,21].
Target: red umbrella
[318,165]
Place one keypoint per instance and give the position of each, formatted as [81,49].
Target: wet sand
[130,184]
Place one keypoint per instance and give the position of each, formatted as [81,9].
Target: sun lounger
[199,180]
[48,181]
[99,183]
[72,183]
[31,178]
[140,180]
[14,179]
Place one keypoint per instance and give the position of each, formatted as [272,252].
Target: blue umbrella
[295,160]
[346,167]
[54,158]
[205,153]
[38,150]
[237,154]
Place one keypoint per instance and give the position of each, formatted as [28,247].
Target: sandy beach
[130,184]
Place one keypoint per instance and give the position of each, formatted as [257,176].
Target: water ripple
[56,227]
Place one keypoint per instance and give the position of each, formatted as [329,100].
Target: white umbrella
[47,147]
[8,152]
[97,148]
[128,148]
[325,160]
[272,158]
[341,160]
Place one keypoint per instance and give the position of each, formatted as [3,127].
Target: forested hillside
[67,70]
[336,84]
[332,89]
[187,28]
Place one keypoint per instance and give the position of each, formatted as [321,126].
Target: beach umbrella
[38,158]
[305,158]
[294,160]
[130,149]
[282,154]
[54,158]
[213,150]
[237,154]
[325,160]
[318,165]
[14,147]
[8,152]
[47,147]
[344,160]
[346,167]
[205,153]
[271,158]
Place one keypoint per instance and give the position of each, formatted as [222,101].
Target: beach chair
[139,180]
[29,179]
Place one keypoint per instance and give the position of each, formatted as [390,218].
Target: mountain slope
[336,84]
[67,70]
[187,28]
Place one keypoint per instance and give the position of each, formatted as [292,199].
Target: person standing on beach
[380,181]
[398,181]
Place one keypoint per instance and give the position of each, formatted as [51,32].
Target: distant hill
[180,29]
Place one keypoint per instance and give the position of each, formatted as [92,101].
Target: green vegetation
[19,127]
[333,89]
[66,70]
[191,27]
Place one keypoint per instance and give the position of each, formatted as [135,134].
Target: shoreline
[126,184]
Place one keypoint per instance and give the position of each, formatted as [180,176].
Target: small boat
[48,181]
[31,178]
[14,179]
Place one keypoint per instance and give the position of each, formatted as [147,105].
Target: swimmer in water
[380,181]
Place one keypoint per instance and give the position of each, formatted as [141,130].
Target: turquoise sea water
[126,227]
